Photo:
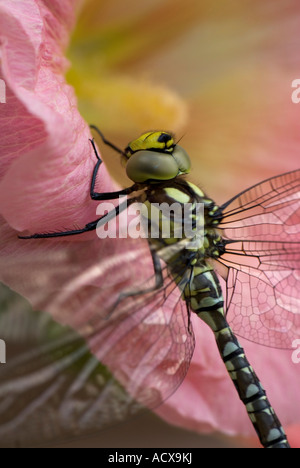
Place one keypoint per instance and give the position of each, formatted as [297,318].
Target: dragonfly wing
[267,211]
[146,343]
[262,261]
[52,388]
[120,358]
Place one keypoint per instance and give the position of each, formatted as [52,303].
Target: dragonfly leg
[158,279]
[88,227]
[109,195]
[158,284]
[95,196]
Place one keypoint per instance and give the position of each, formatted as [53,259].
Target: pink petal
[47,158]
[293,433]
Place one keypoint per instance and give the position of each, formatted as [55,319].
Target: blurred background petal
[219,74]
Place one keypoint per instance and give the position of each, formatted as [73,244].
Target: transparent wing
[262,260]
[145,341]
[52,387]
[64,383]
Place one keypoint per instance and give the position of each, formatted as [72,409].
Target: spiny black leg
[109,195]
[158,278]
[188,303]
[96,152]
[88,227]
[94,195]
[158,283]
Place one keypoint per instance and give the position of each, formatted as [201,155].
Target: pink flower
[293,433]
[46,167]
[46,156]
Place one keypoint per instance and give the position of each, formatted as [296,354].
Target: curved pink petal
[46,153]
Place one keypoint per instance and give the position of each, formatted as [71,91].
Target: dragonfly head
[155,156]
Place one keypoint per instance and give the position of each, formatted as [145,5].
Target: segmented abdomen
[207,302]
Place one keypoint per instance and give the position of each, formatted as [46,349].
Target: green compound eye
[146,165]
[182,159]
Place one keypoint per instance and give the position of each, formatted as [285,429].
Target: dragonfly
[251,243]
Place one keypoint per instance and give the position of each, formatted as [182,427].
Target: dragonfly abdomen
[204,289]
[253,396]
[204,294]
[250,390]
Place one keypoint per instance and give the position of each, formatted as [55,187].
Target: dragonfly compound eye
[146,165]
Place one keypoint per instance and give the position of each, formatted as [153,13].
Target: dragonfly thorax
[188,254]
[179,215]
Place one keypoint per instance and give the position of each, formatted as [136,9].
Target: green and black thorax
[189,210]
